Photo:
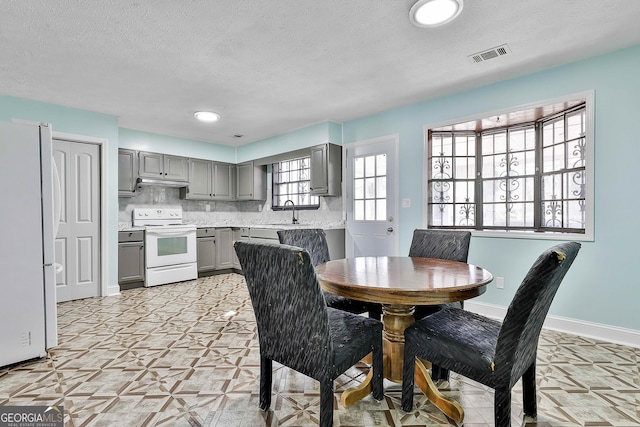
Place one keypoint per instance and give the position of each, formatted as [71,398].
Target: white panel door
[371,194]
[77,244]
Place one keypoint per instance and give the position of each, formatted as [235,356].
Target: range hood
[162,182]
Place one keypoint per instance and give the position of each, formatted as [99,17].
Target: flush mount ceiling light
[431,13]
[206,116]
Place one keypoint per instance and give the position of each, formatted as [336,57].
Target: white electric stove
[170,245]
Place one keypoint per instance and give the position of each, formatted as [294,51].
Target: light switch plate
[406,203]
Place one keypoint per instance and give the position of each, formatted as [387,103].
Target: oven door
[170,245]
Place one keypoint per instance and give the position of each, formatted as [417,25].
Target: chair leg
[408,377]
[265,383]
[326,403]
[378,367]
[438,373]
[502,407]
[529,403]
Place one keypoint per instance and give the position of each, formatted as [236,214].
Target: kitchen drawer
[206,232]
[130,236]
[264,233]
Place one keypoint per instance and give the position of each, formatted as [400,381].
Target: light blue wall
[602,286]
[156,143]
[291,141]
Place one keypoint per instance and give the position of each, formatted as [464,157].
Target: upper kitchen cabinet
[252,181]
[210,181]
[127,172]
[162,166]
[224,181]
[326,170]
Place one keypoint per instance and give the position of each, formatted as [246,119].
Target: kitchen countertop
[127,226]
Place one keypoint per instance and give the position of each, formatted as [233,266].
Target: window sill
[587,237]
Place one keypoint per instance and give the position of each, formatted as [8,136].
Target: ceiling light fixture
[431,13]
[206,116]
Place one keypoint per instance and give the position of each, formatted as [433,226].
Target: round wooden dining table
[399,284]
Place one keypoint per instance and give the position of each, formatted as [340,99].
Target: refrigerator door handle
[57,197]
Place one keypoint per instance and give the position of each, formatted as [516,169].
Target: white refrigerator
[28,324]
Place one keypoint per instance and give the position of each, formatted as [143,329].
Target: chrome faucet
[294,220]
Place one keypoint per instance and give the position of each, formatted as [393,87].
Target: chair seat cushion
[352,336]
[452,333]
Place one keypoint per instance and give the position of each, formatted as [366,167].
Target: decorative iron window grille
[291,181]
[528,176]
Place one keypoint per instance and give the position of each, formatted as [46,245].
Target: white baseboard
[612,334]
[113,290]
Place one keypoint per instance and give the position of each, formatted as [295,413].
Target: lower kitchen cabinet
[206,247]
[130,257]
[215,249]
[225,251]
[237,235]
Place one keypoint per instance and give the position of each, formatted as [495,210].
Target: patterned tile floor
[186,354]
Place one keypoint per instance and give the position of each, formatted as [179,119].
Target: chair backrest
[452,245]
[520,331]
[314,240]
[290,310]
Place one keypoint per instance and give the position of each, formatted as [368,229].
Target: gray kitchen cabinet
[237,235]
[210,180]
[326,170]
[176,168]
[336,242]
[206,248]
[224,248]
[130,256]
[224,181]
[199,180]
[162,166]
[127,172]
[252,181]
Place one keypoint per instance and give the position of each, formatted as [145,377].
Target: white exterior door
[371,194]
[77,244]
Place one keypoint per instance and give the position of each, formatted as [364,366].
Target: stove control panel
[157,216]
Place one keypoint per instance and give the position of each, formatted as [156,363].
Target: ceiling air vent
[485,55]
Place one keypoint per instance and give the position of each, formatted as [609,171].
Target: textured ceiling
[272,66]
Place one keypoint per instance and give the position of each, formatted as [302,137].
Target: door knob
[390,229]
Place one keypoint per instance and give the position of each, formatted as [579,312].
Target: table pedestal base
[450,408]
[395,319]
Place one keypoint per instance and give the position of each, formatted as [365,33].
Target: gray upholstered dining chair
[298,330]
[496,354]
[452,245]
[314,240]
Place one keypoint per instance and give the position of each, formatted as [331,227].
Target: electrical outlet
[500,282]
[207,208]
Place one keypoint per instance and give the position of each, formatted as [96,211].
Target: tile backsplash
[330,211]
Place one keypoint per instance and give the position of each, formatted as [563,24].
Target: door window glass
[370,188]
